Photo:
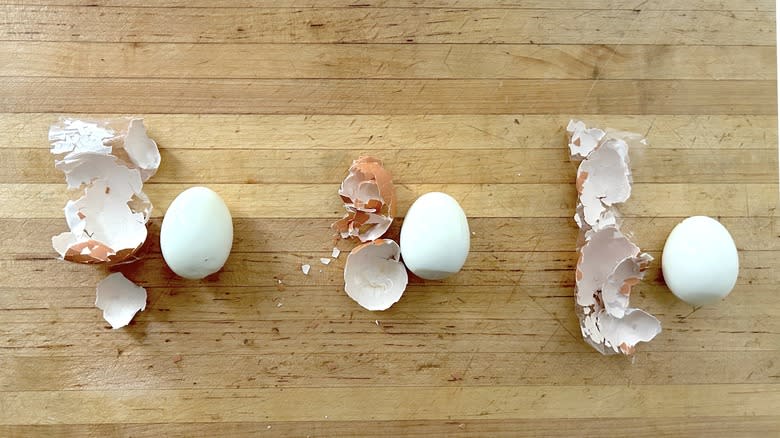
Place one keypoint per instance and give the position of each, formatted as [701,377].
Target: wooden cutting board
[267,102]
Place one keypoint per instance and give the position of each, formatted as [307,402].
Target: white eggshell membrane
[110,160]
[700,261]
[196,234]
[609,264]
[120,299]
[374,276]
[435,237]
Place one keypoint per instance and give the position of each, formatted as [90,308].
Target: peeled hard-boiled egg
[435,236]
[700,261]
[197,233]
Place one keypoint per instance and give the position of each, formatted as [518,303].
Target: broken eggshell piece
[582,140]
[108,223]
[196,235]
[119,299]
[374,276]
[608,263]
[369,198]
[604,179]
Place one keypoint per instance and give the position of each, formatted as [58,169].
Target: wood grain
[385,61]
[412,25]
[268,102]
[391,96]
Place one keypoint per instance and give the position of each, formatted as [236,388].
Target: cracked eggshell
[435,236]
[603,179]
[108,223]
[119,299]
[609,264]
[610,334]
[582,140]
[369,198]
[374,276]
[196,234]
[598,259]
[617,288]
[700,262]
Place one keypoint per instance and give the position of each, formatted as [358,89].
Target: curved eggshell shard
[369,198]
[582,140]
[374,276]
[611,335]
[604,179]
[141,149]
[119,299]
[617,288]
[598,258]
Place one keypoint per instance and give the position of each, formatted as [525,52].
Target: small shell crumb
[305,268]
[325,261]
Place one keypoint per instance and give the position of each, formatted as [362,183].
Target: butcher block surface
[268,102]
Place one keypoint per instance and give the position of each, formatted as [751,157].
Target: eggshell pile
[700,261]
[608,263]
[435,236]
[196,234]
[109,160]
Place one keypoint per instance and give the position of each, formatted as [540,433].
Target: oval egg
[700,261]
[197,233]
[435,236]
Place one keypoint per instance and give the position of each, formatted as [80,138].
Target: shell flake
[120,299]
[608,263]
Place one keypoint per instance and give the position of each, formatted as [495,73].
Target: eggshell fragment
[582,140]
[617,288]
[610,335]
[374,276]
[120,299]
[603,179]
[369,198]
[598,259]
[608,263]
[108,223]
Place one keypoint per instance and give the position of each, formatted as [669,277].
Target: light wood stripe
[385,61]
[310,96]
[404,132]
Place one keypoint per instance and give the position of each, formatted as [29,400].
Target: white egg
[197,233]
[700,261]
[435,236]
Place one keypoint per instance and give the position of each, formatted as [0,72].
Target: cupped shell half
[374,276]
